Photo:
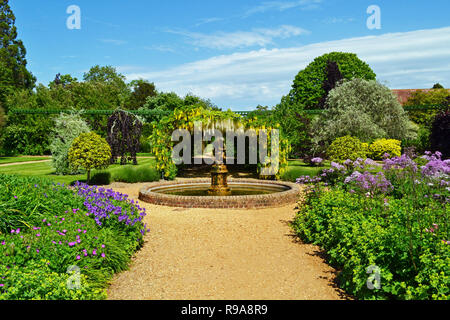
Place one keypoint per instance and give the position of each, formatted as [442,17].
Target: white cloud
[338,20]
[160,48]
[227,40]
[283,5]
[207,20]
[114,41]
[416,59]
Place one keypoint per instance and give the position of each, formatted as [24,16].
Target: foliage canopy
[307,88]
[13,71]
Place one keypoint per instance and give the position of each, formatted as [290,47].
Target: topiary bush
[347,147]
[440,133]
[101,178]
[382,146]
[89,151]
[307,88]
[67,128]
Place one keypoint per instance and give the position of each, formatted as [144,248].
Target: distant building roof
[404,94]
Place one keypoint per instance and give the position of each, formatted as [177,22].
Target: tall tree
[2,118]
[106,74]
[13,71]
[108,80]
[438,86]
[334,76]
[62,80]
[141,90]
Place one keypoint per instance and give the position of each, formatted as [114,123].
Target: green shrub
[294,123]
[366,110]
[422,98]
[102,178]
[440,134]
[130,174]
[145,145]
[358,232]
[421,143]
[36,281]
[25,140]
[382,146]
[89,151]
[92,228]
[67,128]
[347,148]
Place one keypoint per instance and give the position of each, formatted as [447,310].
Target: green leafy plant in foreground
[398,225]
[94,229]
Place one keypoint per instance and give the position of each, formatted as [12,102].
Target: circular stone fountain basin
[245,194]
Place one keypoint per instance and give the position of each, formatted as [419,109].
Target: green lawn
[298,168]
[142,154]
[6,160]
[45,170]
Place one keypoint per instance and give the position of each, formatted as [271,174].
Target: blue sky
[237,53]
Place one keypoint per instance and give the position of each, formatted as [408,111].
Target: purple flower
[436,168]
[368,183]
[304,180]
[317,160]
[337,166]
[397,163]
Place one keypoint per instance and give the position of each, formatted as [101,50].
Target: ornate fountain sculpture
[219,185]
[219,175]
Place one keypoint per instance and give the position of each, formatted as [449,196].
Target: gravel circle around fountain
[222,254]
[288,193]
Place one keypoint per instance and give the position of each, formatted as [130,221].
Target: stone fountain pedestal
[219,185]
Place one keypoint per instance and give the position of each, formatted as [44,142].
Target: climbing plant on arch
[185,117]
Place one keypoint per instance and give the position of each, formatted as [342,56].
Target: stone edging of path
[232,202]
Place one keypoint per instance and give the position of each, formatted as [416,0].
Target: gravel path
[201,254]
